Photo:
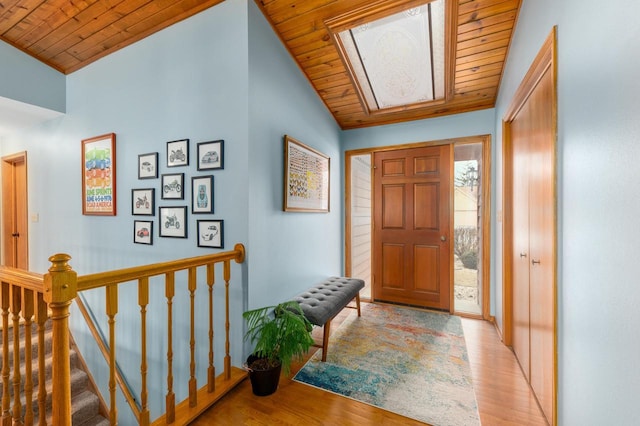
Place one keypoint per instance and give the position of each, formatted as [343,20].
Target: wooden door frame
[8,205]
[546,60]
[486,208]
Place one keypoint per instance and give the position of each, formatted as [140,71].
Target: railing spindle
[211,371]
[112,310]
[16,299]
[171,397]
[42,315]
[30,297]
[193,386]
[143,301]
[6,399]
[27,314]
[227,357]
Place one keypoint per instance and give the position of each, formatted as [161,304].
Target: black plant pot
[263,382]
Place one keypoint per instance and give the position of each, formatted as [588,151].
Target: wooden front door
[412,250]
[14,211]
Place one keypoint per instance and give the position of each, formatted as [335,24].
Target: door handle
[535,262]
[15,234]
[443,238]
[523,254]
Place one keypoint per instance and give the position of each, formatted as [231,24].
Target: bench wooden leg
[325,339]
[358,303]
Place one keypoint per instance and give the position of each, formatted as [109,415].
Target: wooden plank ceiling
[70,34]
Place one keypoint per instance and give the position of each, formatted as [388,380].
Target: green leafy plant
[281,334]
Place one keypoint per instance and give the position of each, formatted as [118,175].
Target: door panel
[425,206]
[393,206]
[426,265]
[392,270]
[412,226]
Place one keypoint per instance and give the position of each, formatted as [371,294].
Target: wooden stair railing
[22,298]
[24,295]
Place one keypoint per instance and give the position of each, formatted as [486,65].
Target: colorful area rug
[408,361]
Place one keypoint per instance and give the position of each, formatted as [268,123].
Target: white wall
[598,133]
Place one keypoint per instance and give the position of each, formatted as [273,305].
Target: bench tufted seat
[322,302]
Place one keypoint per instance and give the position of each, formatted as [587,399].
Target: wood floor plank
[503,396]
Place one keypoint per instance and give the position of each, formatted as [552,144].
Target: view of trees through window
[466,236]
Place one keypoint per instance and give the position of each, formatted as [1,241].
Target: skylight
[397,60]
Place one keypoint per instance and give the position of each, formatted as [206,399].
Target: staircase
[85,404]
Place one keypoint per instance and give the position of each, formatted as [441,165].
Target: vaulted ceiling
[70,34]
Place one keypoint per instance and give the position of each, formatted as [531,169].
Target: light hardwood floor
[503,396]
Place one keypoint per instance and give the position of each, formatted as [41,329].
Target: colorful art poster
[99,175]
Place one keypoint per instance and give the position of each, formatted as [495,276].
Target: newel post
[60,289]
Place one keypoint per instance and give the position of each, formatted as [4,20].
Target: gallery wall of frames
[172,191]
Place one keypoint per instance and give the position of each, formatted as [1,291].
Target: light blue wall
[598,133]
[451,126]
[448,127]
[188,81]
[24,79]
[222,74]
[290,251]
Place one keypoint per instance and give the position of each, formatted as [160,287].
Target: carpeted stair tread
[85,405]
[48,342]
[97,420]
[35,369]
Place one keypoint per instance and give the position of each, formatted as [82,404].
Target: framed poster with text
[99,175]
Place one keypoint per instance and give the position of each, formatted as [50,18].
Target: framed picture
[210,233]
[178,153]
[211,155]
[99,175]
[143,232]
[306,178]
[142,202]
[172,185]
[148,166]
[202,194]
[173,222]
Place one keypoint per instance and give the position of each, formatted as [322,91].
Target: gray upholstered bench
[322,302]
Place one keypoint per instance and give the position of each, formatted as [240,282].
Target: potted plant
[281,334]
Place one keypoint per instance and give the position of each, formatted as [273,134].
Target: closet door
[530,227]
[520,255]
[542,243]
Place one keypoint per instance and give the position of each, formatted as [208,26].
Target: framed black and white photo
[143,232]
[148,166]
[210,233]
[178,153]
[202,194]
[211,155]
[142,201]
[172,186]
[173,222]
